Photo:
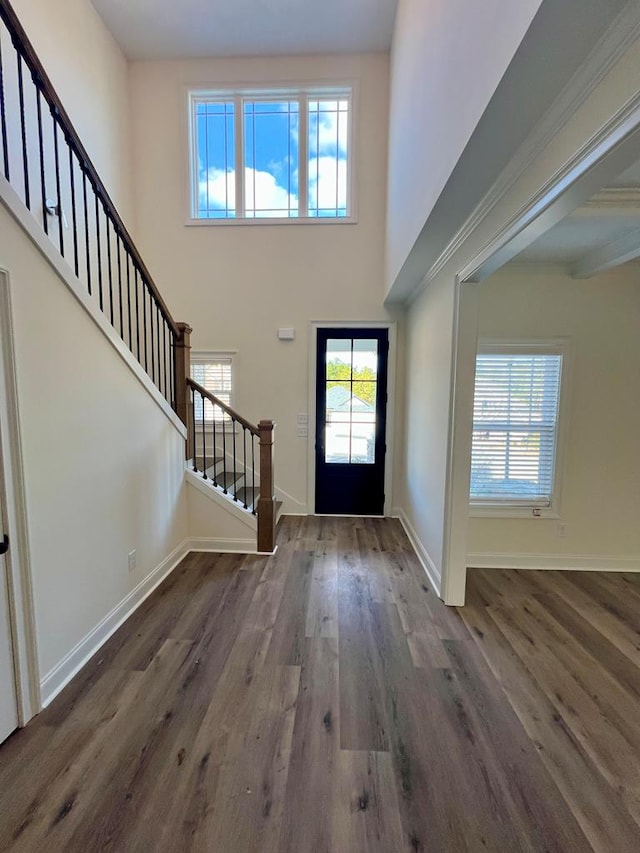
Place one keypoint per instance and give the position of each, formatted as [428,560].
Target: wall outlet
[132,560]
[303,431]
[562,530]
[303,418]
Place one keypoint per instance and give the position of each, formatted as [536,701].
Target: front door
[351,402]
[8,700]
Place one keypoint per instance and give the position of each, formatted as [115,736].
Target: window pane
[271,158]
[328,142]
[515,427]
[339,358]
[216,377]
[215,146]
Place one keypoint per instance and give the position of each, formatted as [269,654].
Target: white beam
[625,248]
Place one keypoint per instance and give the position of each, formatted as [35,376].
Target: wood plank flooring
[323,700]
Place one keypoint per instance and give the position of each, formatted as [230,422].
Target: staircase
[47,167]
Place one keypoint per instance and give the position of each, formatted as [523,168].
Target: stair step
[247,495]
[227,481]
[211,463]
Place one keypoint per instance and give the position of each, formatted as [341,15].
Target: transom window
[515,427]
[279,154]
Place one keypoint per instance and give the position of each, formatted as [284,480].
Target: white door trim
[391,403]
[18,562]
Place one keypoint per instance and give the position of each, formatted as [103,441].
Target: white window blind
[215,374]
[515,426]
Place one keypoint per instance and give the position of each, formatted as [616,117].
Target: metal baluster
[137,287]
[74,215]
[167,390]
[120,310]
[129,299]
[235,473]
[99,251]
[109,266]
[193,427]
[86,226]
[144,325]
[215,449]
[244,463]
[224,451]
[3,119]
[23,126]
[43,188]
[158,354]
[153,350]
[204,445]
[56,159]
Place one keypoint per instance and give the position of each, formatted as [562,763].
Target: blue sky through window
[272,151]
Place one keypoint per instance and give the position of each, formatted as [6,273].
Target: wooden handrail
[23,45]
[231,412]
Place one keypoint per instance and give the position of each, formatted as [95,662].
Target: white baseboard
[421,552]
[558,562]
[72,663]
[225,546]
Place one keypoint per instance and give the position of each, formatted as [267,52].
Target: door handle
[4,545]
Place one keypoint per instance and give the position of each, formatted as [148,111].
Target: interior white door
[8,698]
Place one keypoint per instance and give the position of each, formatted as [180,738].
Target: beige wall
[237,284]
[90,74]
[600,497]
[103,465]
[437,99]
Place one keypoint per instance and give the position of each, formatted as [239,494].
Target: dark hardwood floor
[323,700]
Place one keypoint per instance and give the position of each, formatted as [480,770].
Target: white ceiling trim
[626,248]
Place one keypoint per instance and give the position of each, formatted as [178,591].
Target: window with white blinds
[515,428]
[215,373]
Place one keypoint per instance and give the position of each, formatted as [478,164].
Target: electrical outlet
[303,419]
[562,530]
[132,560]
[303,432]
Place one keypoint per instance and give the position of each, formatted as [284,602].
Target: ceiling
[603,233]
[166,29]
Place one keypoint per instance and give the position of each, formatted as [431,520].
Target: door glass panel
[339,358]
[365,359]
[351,387]
[363,440]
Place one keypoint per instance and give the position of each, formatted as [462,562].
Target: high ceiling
[173,29]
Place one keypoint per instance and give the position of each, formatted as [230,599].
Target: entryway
[351,402]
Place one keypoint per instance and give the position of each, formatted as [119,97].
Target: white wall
[601,476]
[102,463]
[237,284]
[90,74]
[446,62]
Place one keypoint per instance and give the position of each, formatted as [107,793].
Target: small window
[515,427]
[281,154]
[214,371]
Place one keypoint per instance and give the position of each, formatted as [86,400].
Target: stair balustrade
[46,165]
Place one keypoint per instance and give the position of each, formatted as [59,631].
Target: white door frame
[391,326]
[20,589]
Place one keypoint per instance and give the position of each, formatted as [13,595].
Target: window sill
[300,220]
[507,511]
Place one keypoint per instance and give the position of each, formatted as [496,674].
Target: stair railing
[48,167]
[234,455]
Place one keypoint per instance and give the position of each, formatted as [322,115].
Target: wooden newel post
[266,501]
[183,371]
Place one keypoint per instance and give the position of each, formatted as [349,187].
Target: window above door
[280,155]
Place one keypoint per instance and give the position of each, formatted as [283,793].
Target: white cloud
[331,131]
[262,191]
[327,183]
